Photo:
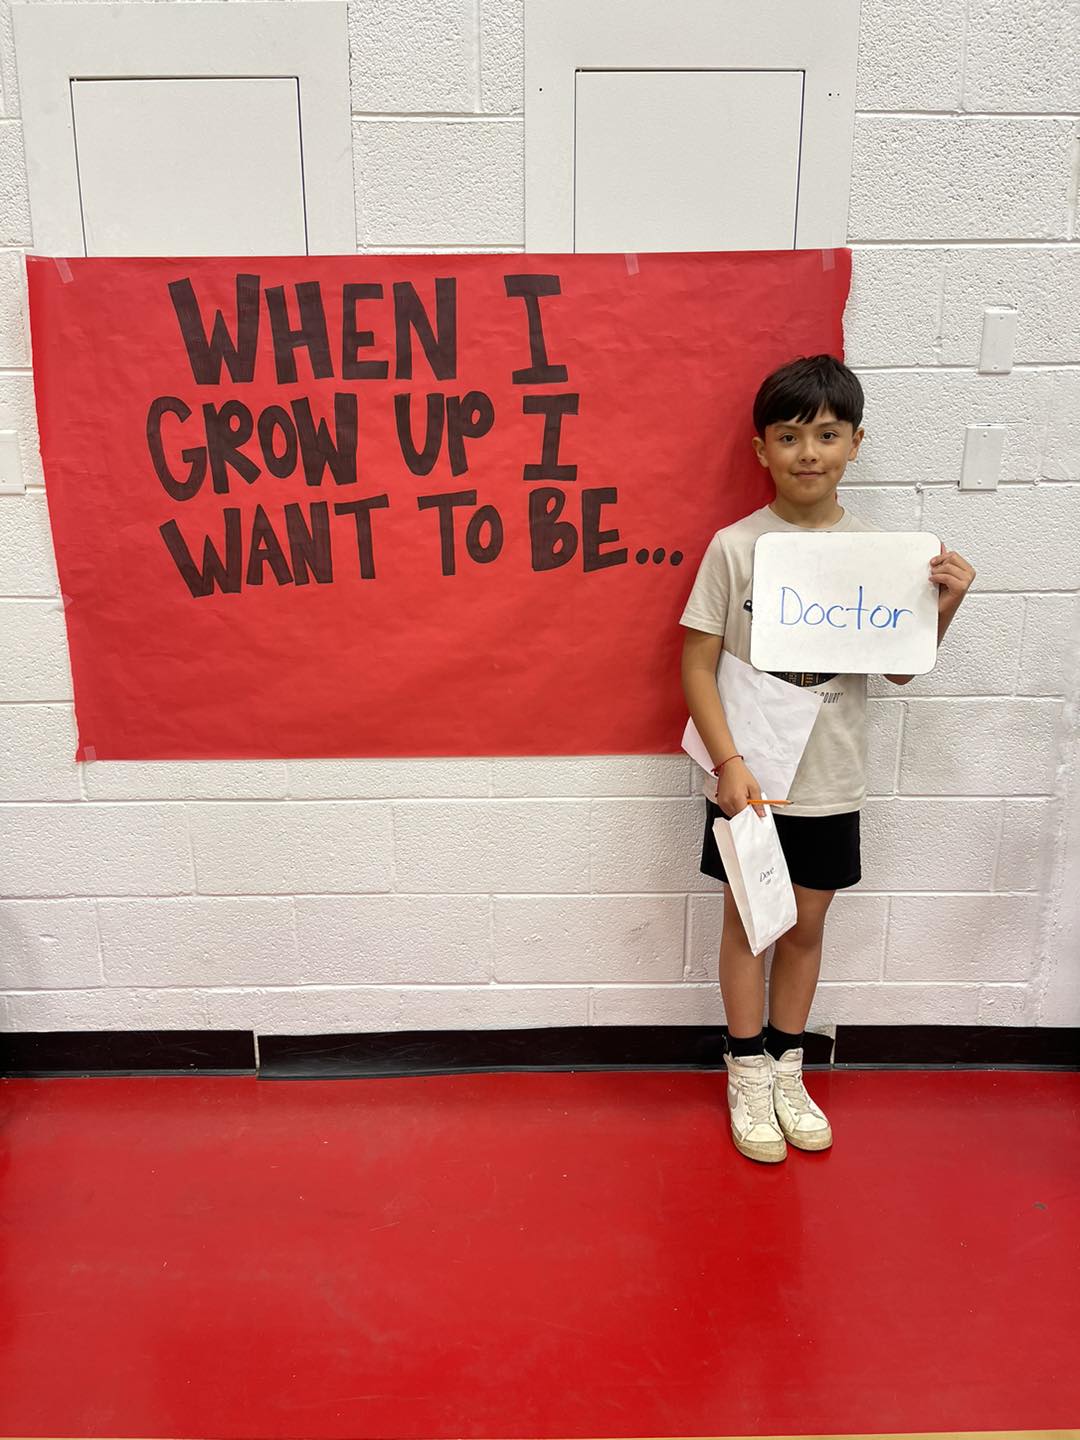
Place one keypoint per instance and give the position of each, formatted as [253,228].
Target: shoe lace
[794,1090]
[759,1103]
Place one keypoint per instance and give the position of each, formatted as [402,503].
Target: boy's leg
[797,962]
[795,967]
[742,975]
[754,1126]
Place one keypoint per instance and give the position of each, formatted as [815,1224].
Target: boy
[808,419]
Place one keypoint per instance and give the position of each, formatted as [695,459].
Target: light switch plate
[11,476]
[981,466]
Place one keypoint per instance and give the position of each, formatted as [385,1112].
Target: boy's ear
[759,450]
[856,441]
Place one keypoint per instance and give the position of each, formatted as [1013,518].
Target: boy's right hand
[736,788]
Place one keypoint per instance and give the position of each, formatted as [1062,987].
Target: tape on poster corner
[65,601]
[828,259]
[89,753]
[632,266]
[63,269]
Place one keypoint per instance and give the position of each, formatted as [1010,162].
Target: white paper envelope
[770,721]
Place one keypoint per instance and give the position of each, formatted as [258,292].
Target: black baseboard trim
[41,1054]
[90,1053]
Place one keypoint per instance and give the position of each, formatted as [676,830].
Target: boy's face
[808,460]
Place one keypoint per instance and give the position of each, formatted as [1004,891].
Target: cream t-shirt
[831,778]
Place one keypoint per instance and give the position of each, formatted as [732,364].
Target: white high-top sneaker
[753,1120]
[802,1121]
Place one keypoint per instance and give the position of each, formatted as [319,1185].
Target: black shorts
[822,851]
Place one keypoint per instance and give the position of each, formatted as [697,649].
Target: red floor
[536,1255]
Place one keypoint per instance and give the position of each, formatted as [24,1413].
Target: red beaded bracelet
[717,768]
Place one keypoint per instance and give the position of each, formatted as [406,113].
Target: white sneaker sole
[769,1151]
[821,1141]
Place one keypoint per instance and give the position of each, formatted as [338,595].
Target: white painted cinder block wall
[353,896]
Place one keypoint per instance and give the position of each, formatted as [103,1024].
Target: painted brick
[1040,281]
[1018,537]
[1050,650]
[493,1007]
[883,723]
[853,947]
[1022,55]
[854,937]
[439,182]
[49,1010]
[978,655]
[1061,453]
[33,657]
[895,1005]
[9,80]
[17,413]
[37,753]
[414,778]
[282,848]
[26,555]
[14,324]
[59,850]
[980,747]
[1058,1002]
[412,57]
[961,937]
[892,313]
[684,1004]
[954,178]
[929,844]
[886,507]
[910,55]
[457,847]
[562,776]
[198,942]
[394,939]
[1006,1005]
[570,939]
[49,944]
[648,846]
[1023,857]
[14,195]
[186,780]
[940,405]
[306,1010]
[502,53]
[704,927]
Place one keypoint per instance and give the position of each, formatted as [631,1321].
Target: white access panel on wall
[159,129]
[695,136]
[138,187]
[693,124]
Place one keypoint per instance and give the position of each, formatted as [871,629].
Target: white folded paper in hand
[757,874]
[770,721]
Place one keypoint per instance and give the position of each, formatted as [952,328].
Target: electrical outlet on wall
[998,340]
[981,466]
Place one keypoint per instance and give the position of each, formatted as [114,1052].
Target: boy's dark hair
[798,390]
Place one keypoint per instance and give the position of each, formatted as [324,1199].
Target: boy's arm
[952,573]
[736,787]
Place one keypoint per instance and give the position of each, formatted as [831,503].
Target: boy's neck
[819,516]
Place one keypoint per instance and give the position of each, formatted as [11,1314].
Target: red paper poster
[400,505]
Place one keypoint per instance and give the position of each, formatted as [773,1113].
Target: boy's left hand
[954,575]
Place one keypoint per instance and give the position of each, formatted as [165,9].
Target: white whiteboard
[859,603]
